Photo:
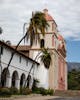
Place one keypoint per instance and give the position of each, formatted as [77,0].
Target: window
[1,50]
[42,43]
[53,40]
[20,59]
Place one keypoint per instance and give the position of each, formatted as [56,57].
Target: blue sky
[66,13]
[73,51]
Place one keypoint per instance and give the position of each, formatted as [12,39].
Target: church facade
[56,76]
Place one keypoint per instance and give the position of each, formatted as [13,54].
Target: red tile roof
[60,46]
[60,37]
[16,51]
[22,48]
[47,16]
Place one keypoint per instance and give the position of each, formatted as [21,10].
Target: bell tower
[48,41]
[51,78]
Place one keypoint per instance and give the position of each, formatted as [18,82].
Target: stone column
[24,82]
[8,81]
[17,83]
[30,83]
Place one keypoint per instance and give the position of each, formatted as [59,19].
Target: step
[67,93]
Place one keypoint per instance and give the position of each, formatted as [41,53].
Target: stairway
[66,93]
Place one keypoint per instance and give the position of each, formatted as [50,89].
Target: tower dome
[47,16]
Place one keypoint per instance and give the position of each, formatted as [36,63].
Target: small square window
[20,59]
[1,50]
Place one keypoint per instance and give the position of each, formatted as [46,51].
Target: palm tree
[46,57]
[38,25]
[0,57]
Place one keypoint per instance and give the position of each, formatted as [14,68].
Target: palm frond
[46,57]
[38,25]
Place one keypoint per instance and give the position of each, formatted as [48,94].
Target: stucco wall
[52,75]
[21,67]
[41,73]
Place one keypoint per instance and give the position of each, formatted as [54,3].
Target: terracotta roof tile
[47,16]
[16,51]
[60,37]
[22,48]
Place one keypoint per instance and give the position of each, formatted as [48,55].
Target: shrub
[5,92]
[50,91]
[43,91]
[14,90]
[35,82]
[25,91]
[36,90]
[46,91]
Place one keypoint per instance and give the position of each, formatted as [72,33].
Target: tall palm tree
[0,55]
[38,25]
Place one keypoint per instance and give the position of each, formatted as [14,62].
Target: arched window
[22,80]
[42,43]
[15,78]
[5,75]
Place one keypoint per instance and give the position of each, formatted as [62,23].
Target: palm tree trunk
[1,70]
[15,49]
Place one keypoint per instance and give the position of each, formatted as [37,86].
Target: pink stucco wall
[61,74]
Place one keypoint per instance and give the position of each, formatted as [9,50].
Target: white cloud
[14,13]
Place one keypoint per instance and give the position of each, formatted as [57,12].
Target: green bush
[14,90]
[36,90]
[25,91]
[43,91]
[50,91]
[46,91]
[5,92]
[35,82]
